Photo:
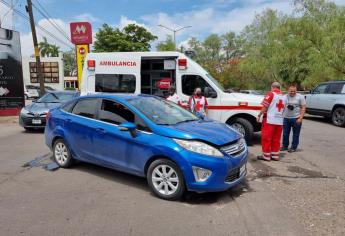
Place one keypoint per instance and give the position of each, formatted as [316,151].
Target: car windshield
[55,97]
[215,82]
[162,112]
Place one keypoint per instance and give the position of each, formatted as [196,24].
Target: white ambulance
[154,72]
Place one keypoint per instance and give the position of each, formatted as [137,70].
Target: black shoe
[292,150]
[282,149]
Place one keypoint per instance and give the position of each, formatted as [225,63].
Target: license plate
[36,121]
[242,169]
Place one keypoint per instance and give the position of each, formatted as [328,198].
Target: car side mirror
[210,93]
[130,127]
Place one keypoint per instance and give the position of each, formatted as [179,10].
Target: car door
[118,149]
[190,82]
[335,92]
[319,93]
[79,127]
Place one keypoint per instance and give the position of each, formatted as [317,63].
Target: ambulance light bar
[91,64]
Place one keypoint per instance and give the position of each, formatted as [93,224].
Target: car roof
[118,96]
[333,81]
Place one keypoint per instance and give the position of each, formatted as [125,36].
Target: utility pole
[37,51]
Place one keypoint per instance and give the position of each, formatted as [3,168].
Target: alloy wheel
[339,117]
[61,153]
[165,179]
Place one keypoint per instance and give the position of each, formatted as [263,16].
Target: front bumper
[28,121]
[225,171]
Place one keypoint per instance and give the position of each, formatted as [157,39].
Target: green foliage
[47,49]
[70,64]
[130,38]
[306,48]
[167,45]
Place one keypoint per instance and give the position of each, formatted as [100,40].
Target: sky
[205,17]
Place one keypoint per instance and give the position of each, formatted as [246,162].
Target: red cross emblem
[280,105]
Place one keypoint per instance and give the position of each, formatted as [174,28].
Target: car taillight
[91,64]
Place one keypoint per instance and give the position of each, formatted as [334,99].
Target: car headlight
[199,147]
[24,111]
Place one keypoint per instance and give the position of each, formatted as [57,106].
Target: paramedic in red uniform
[272,123]
[173,97]
[198,104]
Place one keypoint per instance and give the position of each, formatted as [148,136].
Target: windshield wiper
[186,121]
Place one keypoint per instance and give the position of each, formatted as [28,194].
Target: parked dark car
[33,116]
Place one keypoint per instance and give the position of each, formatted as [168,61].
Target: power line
[23,15]
[46,15]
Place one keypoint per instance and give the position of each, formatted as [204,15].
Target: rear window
[115,83]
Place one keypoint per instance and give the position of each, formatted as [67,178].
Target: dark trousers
[296,130]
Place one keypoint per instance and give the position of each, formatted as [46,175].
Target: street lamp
[175,31]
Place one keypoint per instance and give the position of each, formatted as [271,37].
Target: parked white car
[328,100]
[30,92]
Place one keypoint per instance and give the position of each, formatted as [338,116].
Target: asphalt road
[303,194]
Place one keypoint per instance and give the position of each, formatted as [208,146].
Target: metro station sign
[81,33]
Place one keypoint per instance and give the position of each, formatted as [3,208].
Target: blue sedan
[149,137]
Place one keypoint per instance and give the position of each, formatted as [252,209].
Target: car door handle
[101,130]
[69,120]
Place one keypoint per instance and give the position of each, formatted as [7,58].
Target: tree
[167,45]
[130,38]
[70,64]
[47,49]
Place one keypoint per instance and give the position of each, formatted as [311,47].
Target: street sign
[81,33]
[11,76]
[81,52]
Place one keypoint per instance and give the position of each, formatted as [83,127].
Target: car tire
[244,127]
[62,154]
[338,116]
[162,174]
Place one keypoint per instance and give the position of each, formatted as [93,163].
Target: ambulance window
[190,82]
[115,83]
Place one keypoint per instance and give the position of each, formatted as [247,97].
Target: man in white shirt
[173,97]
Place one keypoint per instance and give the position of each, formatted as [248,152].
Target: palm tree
[54,50]
[44,47]
[47,49]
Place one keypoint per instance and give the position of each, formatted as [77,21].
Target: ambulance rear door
[113,73]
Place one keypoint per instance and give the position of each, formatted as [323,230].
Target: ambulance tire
[246,126]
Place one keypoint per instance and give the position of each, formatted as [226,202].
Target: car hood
[40,108]
[209,131]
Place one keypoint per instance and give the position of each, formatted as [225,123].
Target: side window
[68,106]
[321,89]
[115,113]
[335,88]
[86,108]
[115,83]
[190,82]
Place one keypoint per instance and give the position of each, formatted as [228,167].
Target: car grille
[233,175]
[235,149]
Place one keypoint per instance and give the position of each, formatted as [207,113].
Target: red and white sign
[81,33]
[82,51]
[164,83]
